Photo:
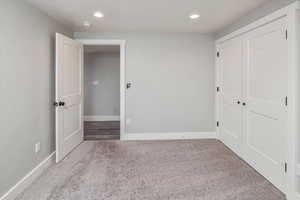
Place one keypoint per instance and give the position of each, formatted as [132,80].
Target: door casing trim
[122,44]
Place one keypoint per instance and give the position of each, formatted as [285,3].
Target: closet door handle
[244,104]
[238,102]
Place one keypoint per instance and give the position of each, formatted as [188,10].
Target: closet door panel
[266,89]
[230,66]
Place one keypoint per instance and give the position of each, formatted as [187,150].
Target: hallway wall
[102,84]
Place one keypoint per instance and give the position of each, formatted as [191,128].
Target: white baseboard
[29,178]
[101,118]
[169,136]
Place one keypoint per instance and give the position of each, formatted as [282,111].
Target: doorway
[101,92]
[110,121]
[69,92]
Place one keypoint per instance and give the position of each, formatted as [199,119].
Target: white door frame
[122,44]
[293,172]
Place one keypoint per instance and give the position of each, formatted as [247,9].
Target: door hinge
[218,124]
[285,167]
[286,34]
[286,101]
[218,54]
[218,89]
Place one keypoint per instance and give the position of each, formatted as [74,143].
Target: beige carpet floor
[154,170]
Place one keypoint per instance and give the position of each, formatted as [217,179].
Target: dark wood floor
[108,130]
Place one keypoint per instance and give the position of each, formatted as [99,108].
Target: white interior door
[266,91]
[230,68]
[69,95]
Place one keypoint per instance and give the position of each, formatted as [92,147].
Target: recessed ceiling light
[194,16]
[86,24]
[98,14]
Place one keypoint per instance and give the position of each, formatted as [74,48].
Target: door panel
[266,89]
[73,121]
[71,70]
[231,127]
[69,73]
[230,65]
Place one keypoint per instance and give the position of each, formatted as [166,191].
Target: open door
[69,95]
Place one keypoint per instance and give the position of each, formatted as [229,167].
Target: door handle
[238,102]
[59,104]
[128,85]
[244,104]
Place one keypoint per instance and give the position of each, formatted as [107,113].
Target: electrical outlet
[37,147]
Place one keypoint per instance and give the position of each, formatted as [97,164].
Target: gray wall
[27,89]
[172,77]
[102,99]
[260,12]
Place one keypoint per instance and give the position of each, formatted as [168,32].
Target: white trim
[93,118]
[170,136]
[29,178]
[122,44]
[292,153]
[102,42]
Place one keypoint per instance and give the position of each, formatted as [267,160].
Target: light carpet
[154,170]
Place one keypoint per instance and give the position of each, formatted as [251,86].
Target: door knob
[60,103]
[238,102]
[244,104]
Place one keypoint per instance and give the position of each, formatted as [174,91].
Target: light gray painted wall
[172,77]
[263,10]
[102,84]
[27,89]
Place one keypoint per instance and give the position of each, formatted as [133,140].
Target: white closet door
[230,66]
[266,91]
